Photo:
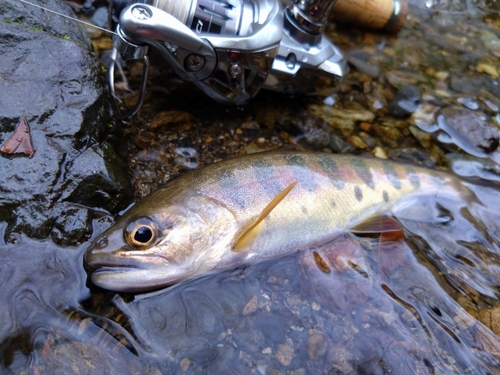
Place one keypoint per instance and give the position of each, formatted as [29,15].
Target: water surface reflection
[371,304]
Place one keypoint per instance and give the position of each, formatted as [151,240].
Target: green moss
[7,21]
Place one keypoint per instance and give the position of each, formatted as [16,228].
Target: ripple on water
[404,302]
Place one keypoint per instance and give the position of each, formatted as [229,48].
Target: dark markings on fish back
[363,172]
[267,178]
[358,193]
[329,167]
[412,176]
[385,195]
[299,165]
[231,187]
[392,175]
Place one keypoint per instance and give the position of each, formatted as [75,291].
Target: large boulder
[49,72]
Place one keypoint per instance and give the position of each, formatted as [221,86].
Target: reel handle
[389,15]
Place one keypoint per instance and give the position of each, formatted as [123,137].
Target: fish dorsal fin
[249,232]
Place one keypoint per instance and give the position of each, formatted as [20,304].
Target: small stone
[184,363]
[273,371]
[425,117]
[488,69]
[316,346]
[300,371]
[284,354]
[316,306]
[272,280]
[406,101]
[495,319]
[468,103]
[491,318]
[380,153]
[251,306]
[250,125]
[357,142]
[267,351]
[442,75]
[168,118]
[468,129]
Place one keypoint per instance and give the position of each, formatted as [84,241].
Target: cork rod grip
[389,15]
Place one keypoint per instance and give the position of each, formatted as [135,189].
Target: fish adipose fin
[249,232]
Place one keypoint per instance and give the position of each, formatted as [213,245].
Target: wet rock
[491,318]
[488,69]
[317,139]
[251,306]
[56,81]
[339,146]
[406,101]
[300,371]
[425,117]
[72,226]
[469,103]
[468,130]
[284,353]
[273,371]
[316,346]
[360,61]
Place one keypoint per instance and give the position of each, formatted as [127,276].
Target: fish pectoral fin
[388,227]
[251,230]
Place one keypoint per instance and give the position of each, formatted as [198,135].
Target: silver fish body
[248,209]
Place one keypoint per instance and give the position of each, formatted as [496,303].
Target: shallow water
[356,305]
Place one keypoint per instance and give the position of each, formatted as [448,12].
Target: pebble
[273,371]
[326,112]
[425,117]
[316,346]
[284,354]
[468,103]
[184,363]
[370,70]
[406,101]
[267,351]
[488,69]
[468,129]
[251,306]
[316,306]
[491,318]
[380,153]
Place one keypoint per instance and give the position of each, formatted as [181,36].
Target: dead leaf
[20,142]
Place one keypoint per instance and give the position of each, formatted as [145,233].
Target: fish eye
[140,232]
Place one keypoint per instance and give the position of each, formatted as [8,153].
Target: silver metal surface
[231,49]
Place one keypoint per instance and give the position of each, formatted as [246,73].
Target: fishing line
[69,17]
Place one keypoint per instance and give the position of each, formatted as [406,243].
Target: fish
[251,208]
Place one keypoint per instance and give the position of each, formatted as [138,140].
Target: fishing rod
[231,49]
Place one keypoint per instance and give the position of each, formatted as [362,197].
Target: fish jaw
[135,280]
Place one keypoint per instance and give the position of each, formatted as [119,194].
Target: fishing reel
[230,49]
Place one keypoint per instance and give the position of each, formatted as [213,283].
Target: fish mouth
[95,262]
[129,279]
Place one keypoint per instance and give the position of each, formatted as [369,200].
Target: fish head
[160,242]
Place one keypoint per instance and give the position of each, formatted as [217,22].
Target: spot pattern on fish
[363,172]
[298,165]
[330,168]
[392,176]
